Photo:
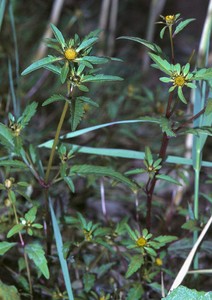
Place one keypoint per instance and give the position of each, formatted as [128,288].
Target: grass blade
[2,9]
[59,244]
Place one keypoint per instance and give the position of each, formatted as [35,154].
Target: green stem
[25,255]
[171,41]
[60,124]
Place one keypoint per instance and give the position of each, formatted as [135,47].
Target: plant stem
[25,255]
[60,124]
[171,41]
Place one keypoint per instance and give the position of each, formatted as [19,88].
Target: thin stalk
[25,255]
[196,213]
[171,42]
[60,124]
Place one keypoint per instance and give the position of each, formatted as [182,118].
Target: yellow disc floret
[158,262]
[141,242]
[70,53]
[179,80]
[170,19]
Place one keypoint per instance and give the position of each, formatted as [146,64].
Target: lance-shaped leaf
[77,112]
[168,178]
[13,163]
[95,60]
[102,171]
[204,74]
[58,35]
[5,246]
[40,63]
[86,43]
[87,100]
[100,78]
[15,229]
[53,99]
[148,44]
[182,25]
[37,254]
[161,64]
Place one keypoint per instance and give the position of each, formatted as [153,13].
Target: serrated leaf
[148,44]
[6,137]
[191,225]
[161,64]
[54,98]
[100,78]
[135,292]
[183,293]
[101,171]
[40,64]
[77,112]
[27,114]
[87,43]
[131,232]
[182,25]
[15,229]
[5,246]
[8,292]
[166,127]
[135,263]
[37,254]
[168,178]
[88,281]
[31,214]
[13,163]
[58,35]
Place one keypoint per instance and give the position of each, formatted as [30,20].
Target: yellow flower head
[141,242]
[158,262]
[8,183]
[179,80]
[170,19]
[70,53]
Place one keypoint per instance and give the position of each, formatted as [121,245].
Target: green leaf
[203,74]
[58,35]
[13,163]
[95,60]
[148,156]
[59,244]
[70,183]
[168,178]
[100,78]
[2,10]
[27,114]
[208,109]
[164,239]
[161,64]
[6,137]
[31,214]
[8,292]
[86,43]
[131,232]
[135,171]
[182,25]
[135,292]
[37,254]
[87,100]
[191,225]
[101,171]
[54,98]
[5,246]
[77,112]
[15,229]
[180,95]
[166,127]
[183,293]
[135,263]
[148,44]
[40,63]
[162,32]
[88,281]
[64,72]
